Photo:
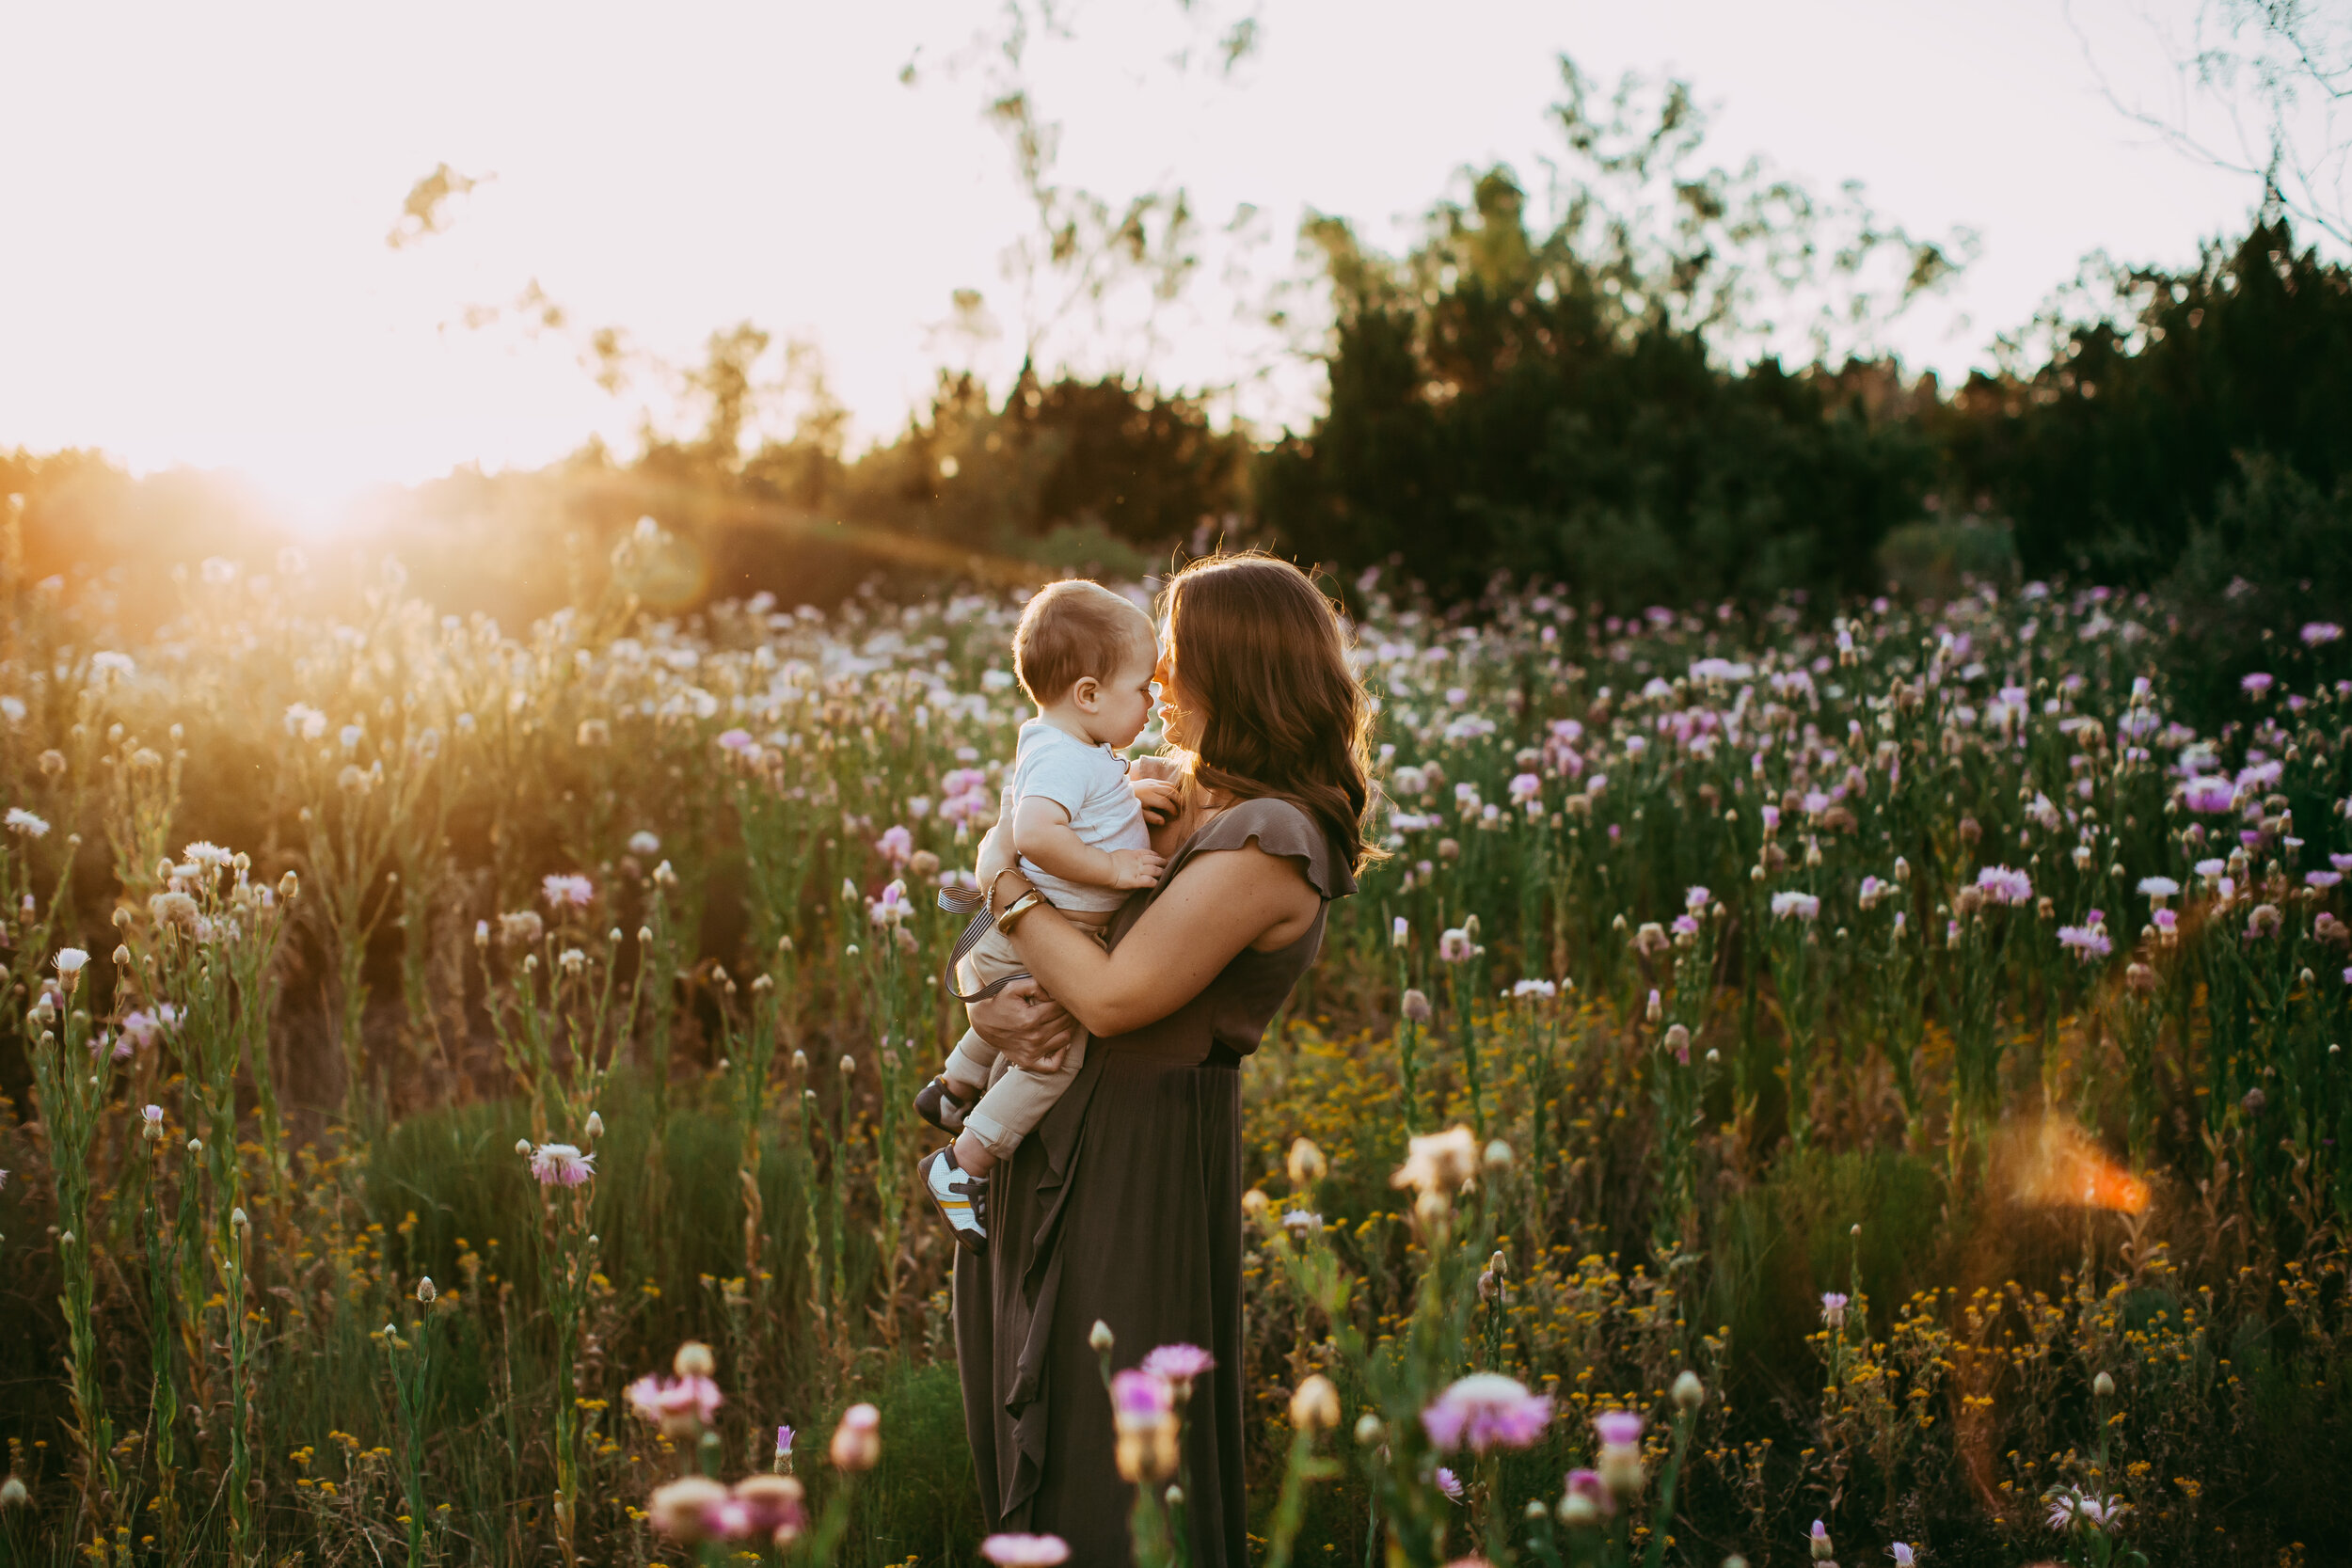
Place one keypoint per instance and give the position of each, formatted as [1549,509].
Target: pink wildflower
[1486,1410]
[680,1406]
[857,1441]
[1179,1364]
[2089,944]
[2211,793]
[1139,1393]
[561,1165]
[1588,1485]
[2004,886]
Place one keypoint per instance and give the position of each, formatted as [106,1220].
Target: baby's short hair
[1071,630]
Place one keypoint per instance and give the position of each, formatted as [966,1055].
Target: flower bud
[425,1292]
[1315,1404]
[1689,1392]
[693,1359]
[1819,1543]
[1101,1339]
[522,1147]
[1369,1429]
[1498,1159]
[2103,1386]
[857,1441]
[680,1509]
[595,1124]
[1305,1165]
[237,1218]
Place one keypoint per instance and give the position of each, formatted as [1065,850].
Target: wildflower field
[460,1076]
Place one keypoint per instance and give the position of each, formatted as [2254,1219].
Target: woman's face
[1178,713]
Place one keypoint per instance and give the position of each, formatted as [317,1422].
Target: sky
[195,200]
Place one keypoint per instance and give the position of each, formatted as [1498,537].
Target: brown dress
[1125,1205]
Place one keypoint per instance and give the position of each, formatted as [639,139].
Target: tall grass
[1761,960]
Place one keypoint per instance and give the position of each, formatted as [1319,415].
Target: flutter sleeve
[1279,826]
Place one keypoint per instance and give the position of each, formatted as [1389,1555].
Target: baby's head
[1084,656]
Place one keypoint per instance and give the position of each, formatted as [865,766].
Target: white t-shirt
[1090,783]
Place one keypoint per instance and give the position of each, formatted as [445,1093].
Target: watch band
[987,900]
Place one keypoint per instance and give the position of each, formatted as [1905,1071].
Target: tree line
[1665,388]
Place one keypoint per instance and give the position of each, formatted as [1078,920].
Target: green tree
[1508,403]
[2110,446]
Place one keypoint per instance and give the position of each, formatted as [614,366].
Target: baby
[1085,657]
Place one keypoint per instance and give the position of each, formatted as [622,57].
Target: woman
[1125,1205]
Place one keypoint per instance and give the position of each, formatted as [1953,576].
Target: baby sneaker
[961,1198]
[939,1103]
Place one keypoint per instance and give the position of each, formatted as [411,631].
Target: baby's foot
[961,1198]
[944,1104]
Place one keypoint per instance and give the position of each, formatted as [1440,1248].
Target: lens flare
[2056,1165]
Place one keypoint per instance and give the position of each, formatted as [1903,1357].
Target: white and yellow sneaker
[961,1198]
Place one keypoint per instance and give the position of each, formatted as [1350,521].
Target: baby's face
[1127,700]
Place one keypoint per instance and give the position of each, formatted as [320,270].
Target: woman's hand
[996,854]
[1027,1026]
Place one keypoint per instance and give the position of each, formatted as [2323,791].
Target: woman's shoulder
[1282,828]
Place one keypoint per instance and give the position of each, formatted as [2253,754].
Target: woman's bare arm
[1223,901]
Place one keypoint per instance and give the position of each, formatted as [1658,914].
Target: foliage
[638,901]
[2114,432]
[1557,403]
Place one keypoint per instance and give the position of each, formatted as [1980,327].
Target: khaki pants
[1015,1100]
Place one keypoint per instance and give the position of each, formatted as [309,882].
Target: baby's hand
[1158,799]
[1162,768]
[1132,868]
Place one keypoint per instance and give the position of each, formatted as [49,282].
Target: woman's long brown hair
[1259,649]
